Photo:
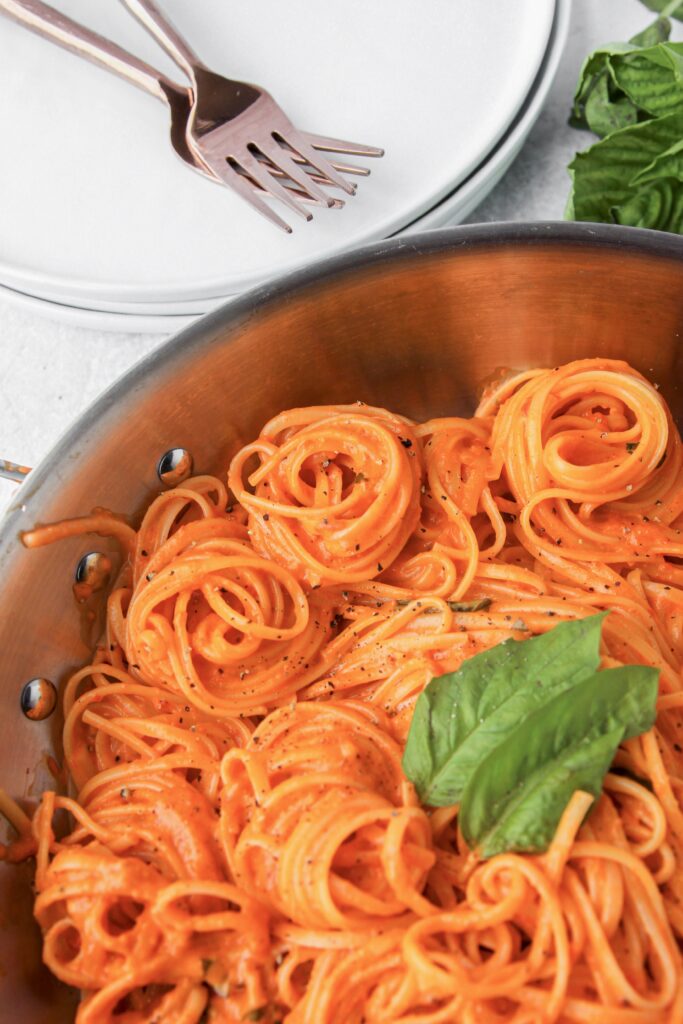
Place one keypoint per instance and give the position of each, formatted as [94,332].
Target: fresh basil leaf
[658,205]
[515,797]
[594,75]
[535,813]
[651,79]
[668,164]
[603,102]
[672,11]
[460,718]
[603,175]
[605,113]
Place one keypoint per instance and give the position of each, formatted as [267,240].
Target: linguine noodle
[242,842]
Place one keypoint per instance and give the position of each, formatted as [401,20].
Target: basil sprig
[631,95]
[517,729]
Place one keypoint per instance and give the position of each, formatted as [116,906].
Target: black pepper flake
[380,567]
[406,442]
[266,517]
[144,553]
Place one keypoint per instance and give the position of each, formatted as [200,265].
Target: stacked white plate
[104,226]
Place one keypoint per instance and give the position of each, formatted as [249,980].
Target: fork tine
[229,176]
[259,173]
[319,179]
[281,160]
[303,196]
[345,168]
[361,172]
[340,146]
[296,141]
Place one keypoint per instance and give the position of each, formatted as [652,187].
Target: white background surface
[49,372]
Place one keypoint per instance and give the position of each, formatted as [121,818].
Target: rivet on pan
[92,574]
[38,699]
[174,466]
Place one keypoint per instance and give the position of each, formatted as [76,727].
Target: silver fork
[78,39]
[238,130]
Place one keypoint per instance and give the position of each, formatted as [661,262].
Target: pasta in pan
[243,843]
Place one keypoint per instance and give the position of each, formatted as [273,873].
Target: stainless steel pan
[417,325]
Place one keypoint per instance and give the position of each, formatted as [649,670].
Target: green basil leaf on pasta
[462,717]
[515,798]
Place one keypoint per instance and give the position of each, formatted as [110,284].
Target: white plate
[95,204]
[452,210]
[99,320]
[467,196]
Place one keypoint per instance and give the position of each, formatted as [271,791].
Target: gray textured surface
[50,371]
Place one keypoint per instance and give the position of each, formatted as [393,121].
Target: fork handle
[166,34]
[54,25]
